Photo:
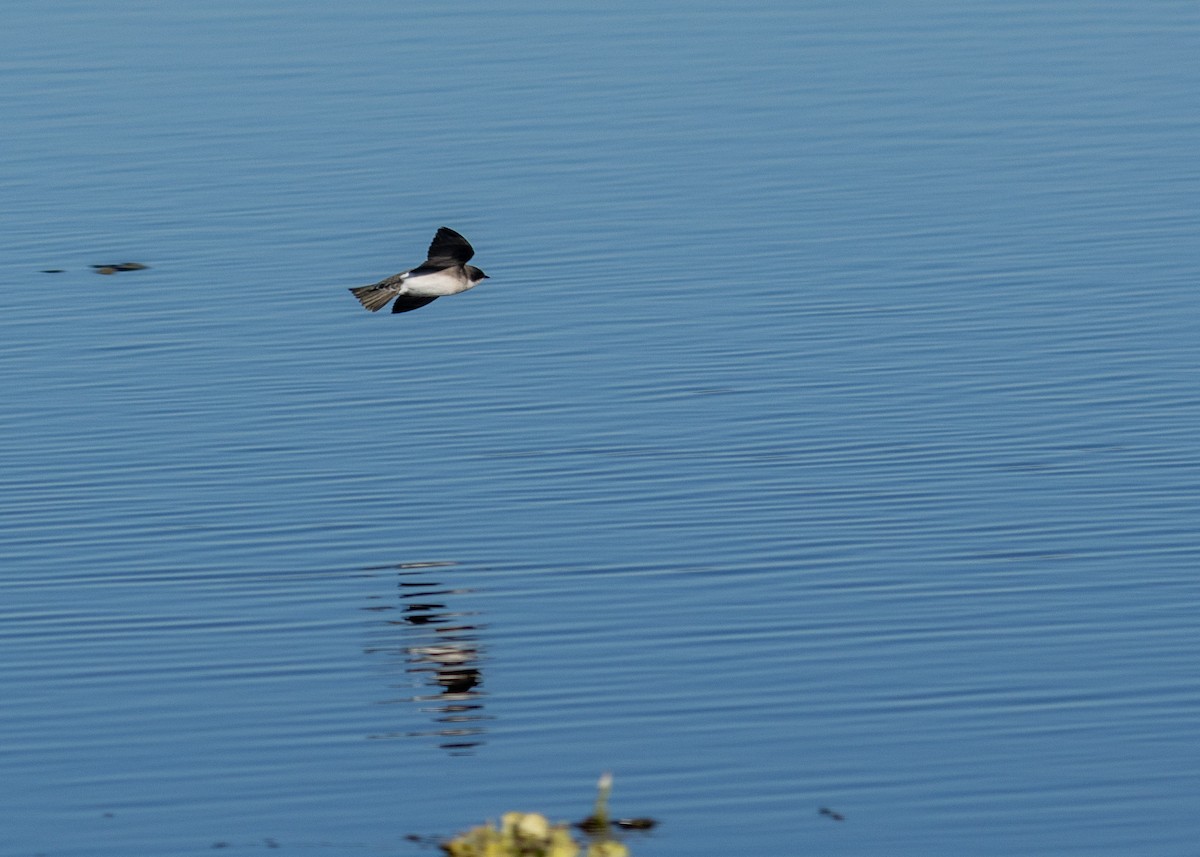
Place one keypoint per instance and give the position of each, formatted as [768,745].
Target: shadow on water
[438,652]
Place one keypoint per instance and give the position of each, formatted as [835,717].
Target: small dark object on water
[53,271]
[829,813]
[592,824]
[426,841]
[122,266]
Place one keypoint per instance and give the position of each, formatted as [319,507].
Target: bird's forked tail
[373,297]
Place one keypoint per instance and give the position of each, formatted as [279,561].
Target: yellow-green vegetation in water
[530,834]
[526,834]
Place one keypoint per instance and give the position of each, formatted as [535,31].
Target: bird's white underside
[434,285]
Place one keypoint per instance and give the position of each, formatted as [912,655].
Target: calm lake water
[826,435]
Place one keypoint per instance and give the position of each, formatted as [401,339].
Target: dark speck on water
[120,266]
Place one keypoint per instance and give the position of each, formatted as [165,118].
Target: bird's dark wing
[449,246]
[405,303]
[432,266]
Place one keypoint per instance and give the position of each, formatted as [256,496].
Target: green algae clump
[526,834]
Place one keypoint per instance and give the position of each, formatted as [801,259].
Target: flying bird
[445,272]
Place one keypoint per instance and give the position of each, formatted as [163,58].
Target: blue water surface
[825,437]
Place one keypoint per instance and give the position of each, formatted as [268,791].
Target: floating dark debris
[594,824]
[53,271]
[121,266]
[829,813]
[426,841]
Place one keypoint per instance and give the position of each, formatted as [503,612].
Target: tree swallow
[445,272]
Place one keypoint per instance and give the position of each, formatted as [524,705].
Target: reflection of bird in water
[452,665]
[439,645]
[459,681]
[421,614]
